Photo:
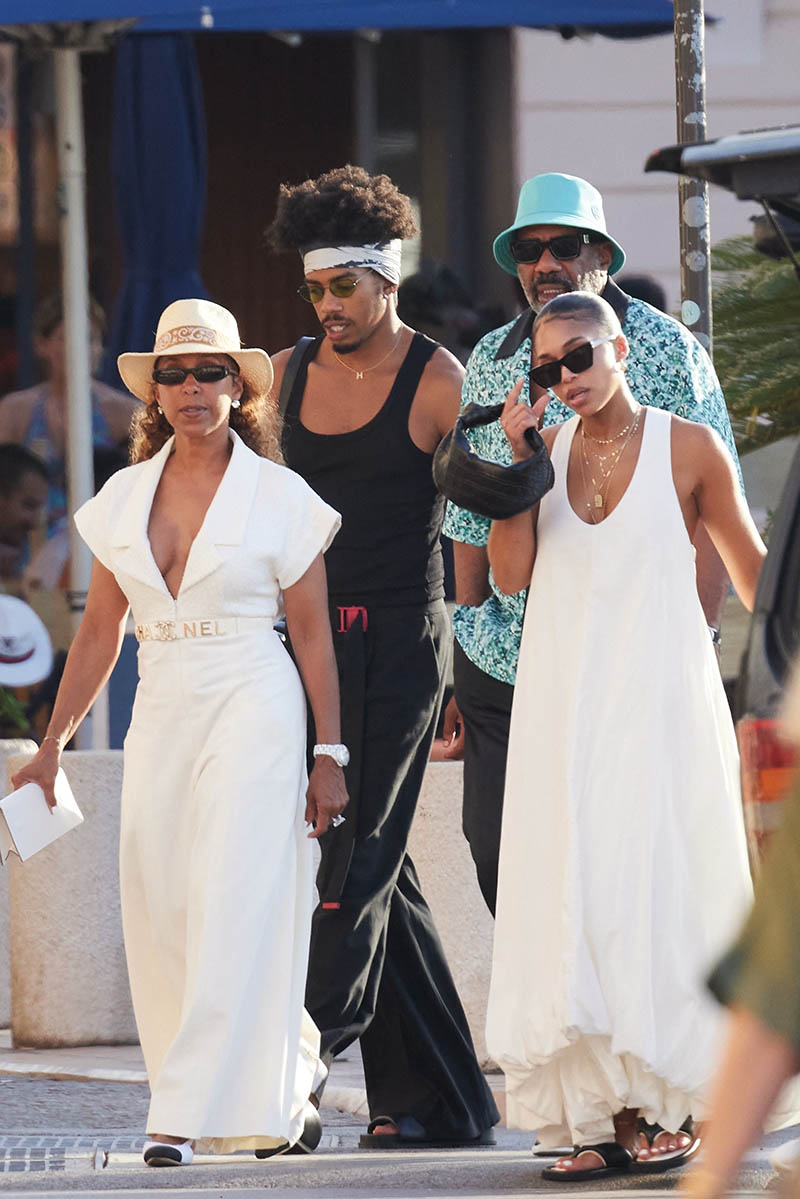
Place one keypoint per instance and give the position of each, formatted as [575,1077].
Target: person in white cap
[558,243]
[366,404]
[26,657]
[208,539]
[26,654]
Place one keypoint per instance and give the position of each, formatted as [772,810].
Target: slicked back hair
[582,306]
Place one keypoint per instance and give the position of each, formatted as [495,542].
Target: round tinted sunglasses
[211,372]
[342,288]
[564,247]
[576,360]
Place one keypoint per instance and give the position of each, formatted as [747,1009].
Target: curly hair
[257,422]
[345,204]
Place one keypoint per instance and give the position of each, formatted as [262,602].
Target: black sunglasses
[564,247]
[211,372]
[342,288]
[576,360]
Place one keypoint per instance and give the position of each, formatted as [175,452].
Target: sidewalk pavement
[124,1063]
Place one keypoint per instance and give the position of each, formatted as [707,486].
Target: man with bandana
[365,405]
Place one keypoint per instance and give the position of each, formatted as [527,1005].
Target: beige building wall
[597,107]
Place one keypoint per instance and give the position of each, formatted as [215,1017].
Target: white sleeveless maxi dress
[623,864]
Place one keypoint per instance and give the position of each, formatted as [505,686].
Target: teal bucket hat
[557,200]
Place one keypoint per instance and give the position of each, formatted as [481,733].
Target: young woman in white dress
[208,539]
[623,866]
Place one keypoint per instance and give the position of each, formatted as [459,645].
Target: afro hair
[345,205]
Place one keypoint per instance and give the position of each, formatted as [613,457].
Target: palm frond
[756,342]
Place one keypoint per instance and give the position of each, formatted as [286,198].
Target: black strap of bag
[475,415]
[296,359]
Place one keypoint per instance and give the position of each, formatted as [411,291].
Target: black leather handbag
[484,487]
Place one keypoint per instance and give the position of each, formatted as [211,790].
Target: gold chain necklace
[609,440]
[360,374]
[600,494]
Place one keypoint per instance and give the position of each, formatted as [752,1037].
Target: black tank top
[388,551]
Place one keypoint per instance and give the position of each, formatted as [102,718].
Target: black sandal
[615,1157]
[675,1157]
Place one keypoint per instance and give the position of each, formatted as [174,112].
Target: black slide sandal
[616,1158]
[410,1134]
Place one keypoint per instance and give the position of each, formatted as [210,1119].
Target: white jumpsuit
[623,865]
[215,862]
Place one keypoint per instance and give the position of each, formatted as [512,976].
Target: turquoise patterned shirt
[667,367]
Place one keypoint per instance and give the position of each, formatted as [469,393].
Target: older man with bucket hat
[557,243]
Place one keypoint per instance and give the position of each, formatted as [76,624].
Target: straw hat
[195,327]
[557,200]
[26,654]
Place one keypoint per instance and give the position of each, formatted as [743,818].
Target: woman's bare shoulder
[692,437]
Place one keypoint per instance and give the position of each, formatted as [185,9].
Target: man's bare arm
[471,563]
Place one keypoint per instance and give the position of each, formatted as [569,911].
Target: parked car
[762,165]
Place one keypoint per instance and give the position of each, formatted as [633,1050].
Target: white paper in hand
[26,822]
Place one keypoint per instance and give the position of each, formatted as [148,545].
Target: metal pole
[26,242]
[75,291]
[690,85]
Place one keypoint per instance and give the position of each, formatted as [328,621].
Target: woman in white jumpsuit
[208,542]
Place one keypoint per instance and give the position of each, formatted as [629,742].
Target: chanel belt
[189,630]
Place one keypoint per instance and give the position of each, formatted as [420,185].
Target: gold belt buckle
[158,630]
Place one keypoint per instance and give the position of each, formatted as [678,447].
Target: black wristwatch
[716,636]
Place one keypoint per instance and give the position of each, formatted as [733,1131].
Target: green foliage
[757,342]
[12,713]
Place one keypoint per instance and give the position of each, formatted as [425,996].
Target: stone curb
[66,1073]
[344,1099]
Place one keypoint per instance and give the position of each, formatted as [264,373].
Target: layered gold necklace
[597,496]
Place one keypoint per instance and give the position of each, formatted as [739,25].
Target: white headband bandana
[383,257]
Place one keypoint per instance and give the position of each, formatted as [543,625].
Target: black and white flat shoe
[310,1137]
[158,1153]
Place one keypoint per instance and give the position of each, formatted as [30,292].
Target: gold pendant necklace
[359,374]
[600,493]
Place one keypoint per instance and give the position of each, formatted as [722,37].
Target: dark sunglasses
[341,288]
[211,372]
[576,360]
[564,247]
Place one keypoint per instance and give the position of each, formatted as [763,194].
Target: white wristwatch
[339,753]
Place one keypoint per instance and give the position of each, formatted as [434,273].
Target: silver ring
[337,820]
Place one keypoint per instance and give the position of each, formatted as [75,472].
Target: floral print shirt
[667,368]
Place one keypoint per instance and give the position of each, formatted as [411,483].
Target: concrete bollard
[69,980]
[8,749]
[441,855]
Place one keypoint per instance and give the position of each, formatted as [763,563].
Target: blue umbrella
[159,165]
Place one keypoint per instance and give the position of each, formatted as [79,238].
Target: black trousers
[485,705]
[377,969]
